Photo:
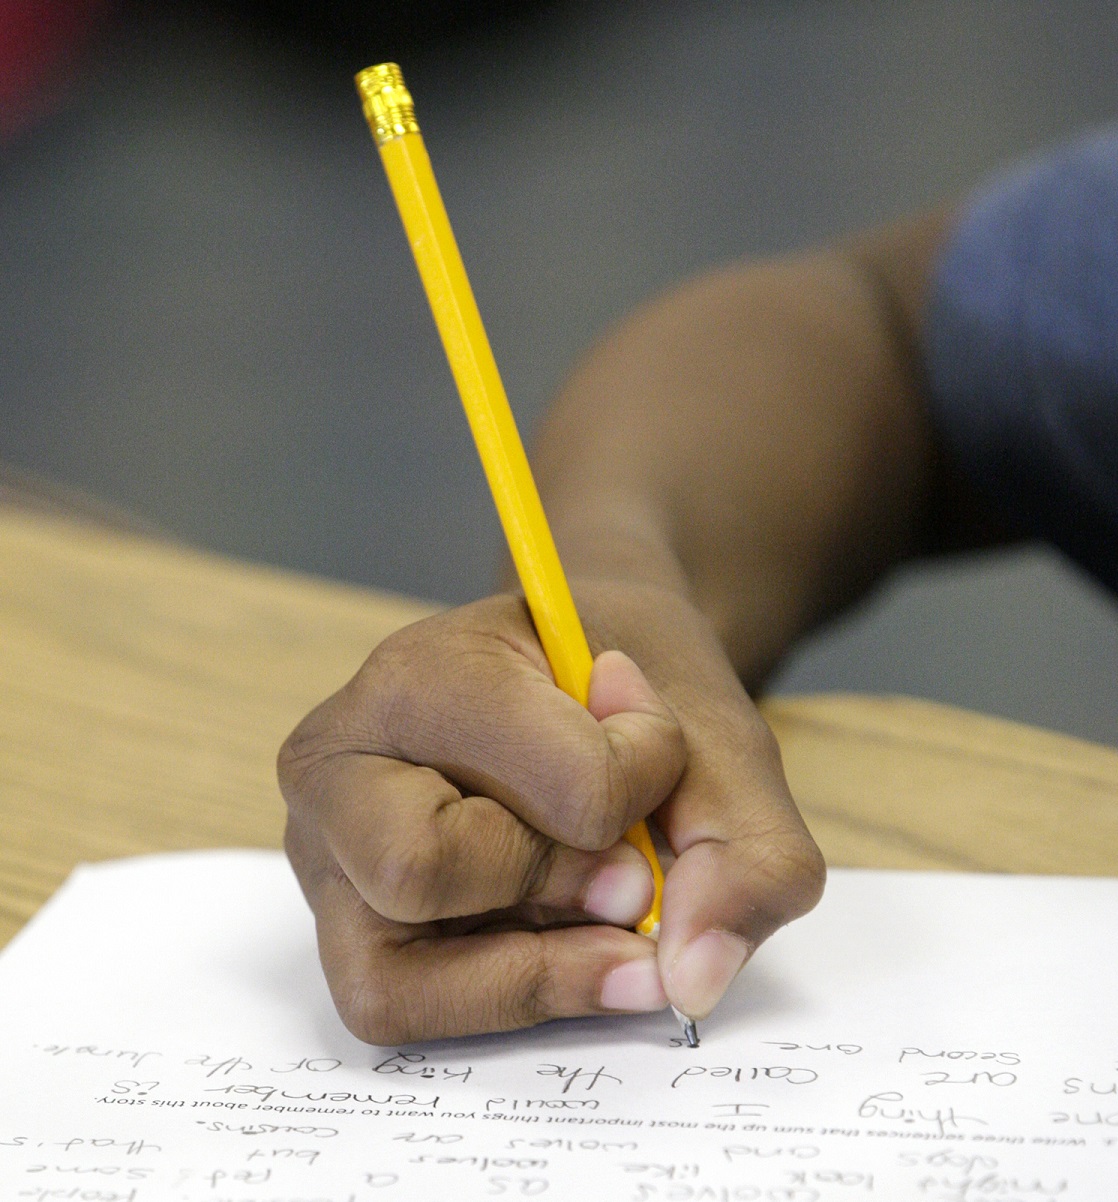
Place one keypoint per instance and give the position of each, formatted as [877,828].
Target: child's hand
[456,823]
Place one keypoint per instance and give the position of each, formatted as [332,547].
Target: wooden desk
[145,688]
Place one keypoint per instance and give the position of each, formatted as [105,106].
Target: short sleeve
[1021,349]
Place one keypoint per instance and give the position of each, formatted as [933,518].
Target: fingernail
[617,685]
[703,970]
[634,985]
[620,894]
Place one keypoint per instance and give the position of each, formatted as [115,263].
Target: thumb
[618,686]
[647,749]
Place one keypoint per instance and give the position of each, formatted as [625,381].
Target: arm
[758,442]
[734,462]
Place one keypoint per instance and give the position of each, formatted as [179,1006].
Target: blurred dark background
[209,314]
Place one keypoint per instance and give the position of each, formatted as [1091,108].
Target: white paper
[167,1035]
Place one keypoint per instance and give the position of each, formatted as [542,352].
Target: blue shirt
[1021,345]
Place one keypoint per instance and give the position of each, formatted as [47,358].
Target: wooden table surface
[145,688]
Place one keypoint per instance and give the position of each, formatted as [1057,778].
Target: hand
[455,822]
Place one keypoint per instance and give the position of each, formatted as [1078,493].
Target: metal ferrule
[388,105]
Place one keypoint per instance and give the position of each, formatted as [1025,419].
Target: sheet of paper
[167,1035]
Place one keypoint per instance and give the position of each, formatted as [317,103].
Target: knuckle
[586,809]
[790,875]
[387,997]
[306,757]
[369,1010]
[296,848]
[602,829]
[296,760]
[372,1008]
[400,691]
[524,999]
[674,751]
[409,882]
[422,878]
[384,685]
[764,746]
[638,771]
[536,867]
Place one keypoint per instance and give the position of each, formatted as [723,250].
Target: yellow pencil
[391,116]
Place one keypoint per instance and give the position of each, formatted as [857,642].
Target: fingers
[746,864]
[450,802]
[431,829]
[394,983]
[452,776]
[469,695]
[418,850]
[766,883]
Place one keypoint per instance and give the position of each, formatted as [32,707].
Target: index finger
[470,695]
[396,983]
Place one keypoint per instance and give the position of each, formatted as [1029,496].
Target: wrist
[610,540]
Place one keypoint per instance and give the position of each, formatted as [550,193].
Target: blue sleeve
[1022,349]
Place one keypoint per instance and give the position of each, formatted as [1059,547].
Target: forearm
[733,462]
[757,440]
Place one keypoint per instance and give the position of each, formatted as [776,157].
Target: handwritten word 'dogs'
[948,1158]
[890,1107]
[789,1074]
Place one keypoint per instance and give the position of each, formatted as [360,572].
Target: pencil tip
[690,1031]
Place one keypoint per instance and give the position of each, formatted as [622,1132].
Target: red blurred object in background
[40,40]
